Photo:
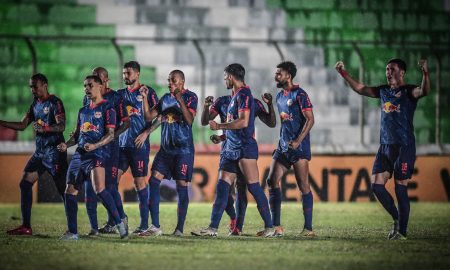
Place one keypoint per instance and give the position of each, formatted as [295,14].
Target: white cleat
[68,236]
[177,233]
[205,232]
[151,231]
[123,230]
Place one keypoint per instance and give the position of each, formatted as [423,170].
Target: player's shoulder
[54,99]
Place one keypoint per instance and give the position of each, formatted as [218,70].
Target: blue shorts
[229,161]
[136,158]
[48,159]
[81,165]
[397,159]
[112,163]
[289,158]
[174,166]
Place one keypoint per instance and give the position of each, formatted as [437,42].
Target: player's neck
[396,85]
[95,100]
[238,85]
[135,85]
[288,86]
[44,97]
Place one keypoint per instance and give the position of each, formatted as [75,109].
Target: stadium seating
[373,26]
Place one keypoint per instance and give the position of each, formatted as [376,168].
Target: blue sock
[385,199]
[403,206]
[90,198]
[275,205]
[108,201]
[183,203]
[143,207]
[229,209]
[154,199]
[113,189]
[26,200]
[262,203]
[71,207]
[241,204]
[222,191]
[307,201]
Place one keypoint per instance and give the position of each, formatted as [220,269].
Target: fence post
[361,103]
[120,56]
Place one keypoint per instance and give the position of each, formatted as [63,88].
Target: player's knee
[70,189]
[24,184]
[140,183]
[272,183]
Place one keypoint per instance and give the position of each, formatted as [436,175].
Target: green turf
[351,236]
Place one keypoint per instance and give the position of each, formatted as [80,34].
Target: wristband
[47,128]
[343,73]
[425,73]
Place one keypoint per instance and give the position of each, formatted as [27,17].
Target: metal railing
[434,48]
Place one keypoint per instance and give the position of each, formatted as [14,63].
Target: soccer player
[219,107]
[397,152]
[47,113]
[134,144]
[175,159]
[293,149]
[240,151]
[95,129]
[112,162]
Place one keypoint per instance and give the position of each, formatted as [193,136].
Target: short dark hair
[289,67]
[133,64]
[95,78]
[179,73]
[101,70]
[400,63]
[236,70]
[39,77]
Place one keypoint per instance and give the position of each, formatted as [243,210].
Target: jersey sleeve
[304,102]
[59,111]
[30,113]
[215,107]
[191,103]
[259,107]
[244,102]
[110,119]
[152,98]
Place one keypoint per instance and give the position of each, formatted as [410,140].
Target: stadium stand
[227,31]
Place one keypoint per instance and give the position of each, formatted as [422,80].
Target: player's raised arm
[268,118]
[357,86]
[207,113]
[17,125]
[150,113]
[424,88]
[188,114]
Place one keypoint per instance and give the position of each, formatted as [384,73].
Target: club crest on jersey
[98,114]
[139,98]
[132,111]
[289,102]
[389,107]
[170,118]
[46,110]
[87,126]
[285,117]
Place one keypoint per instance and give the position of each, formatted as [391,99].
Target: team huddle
[112,135]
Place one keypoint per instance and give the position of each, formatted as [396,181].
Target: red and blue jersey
[397,112]
[93,121]
[239,139]
[291,105]
[132,108]
[220,106]
[115,100]
[45,112]
[176,133]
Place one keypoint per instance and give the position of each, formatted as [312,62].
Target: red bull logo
[388,107]
[87,126]
[41,123]
[132,111]
[285,117]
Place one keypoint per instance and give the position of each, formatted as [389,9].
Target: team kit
[112,136]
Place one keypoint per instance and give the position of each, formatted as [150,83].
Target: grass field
[350,236]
